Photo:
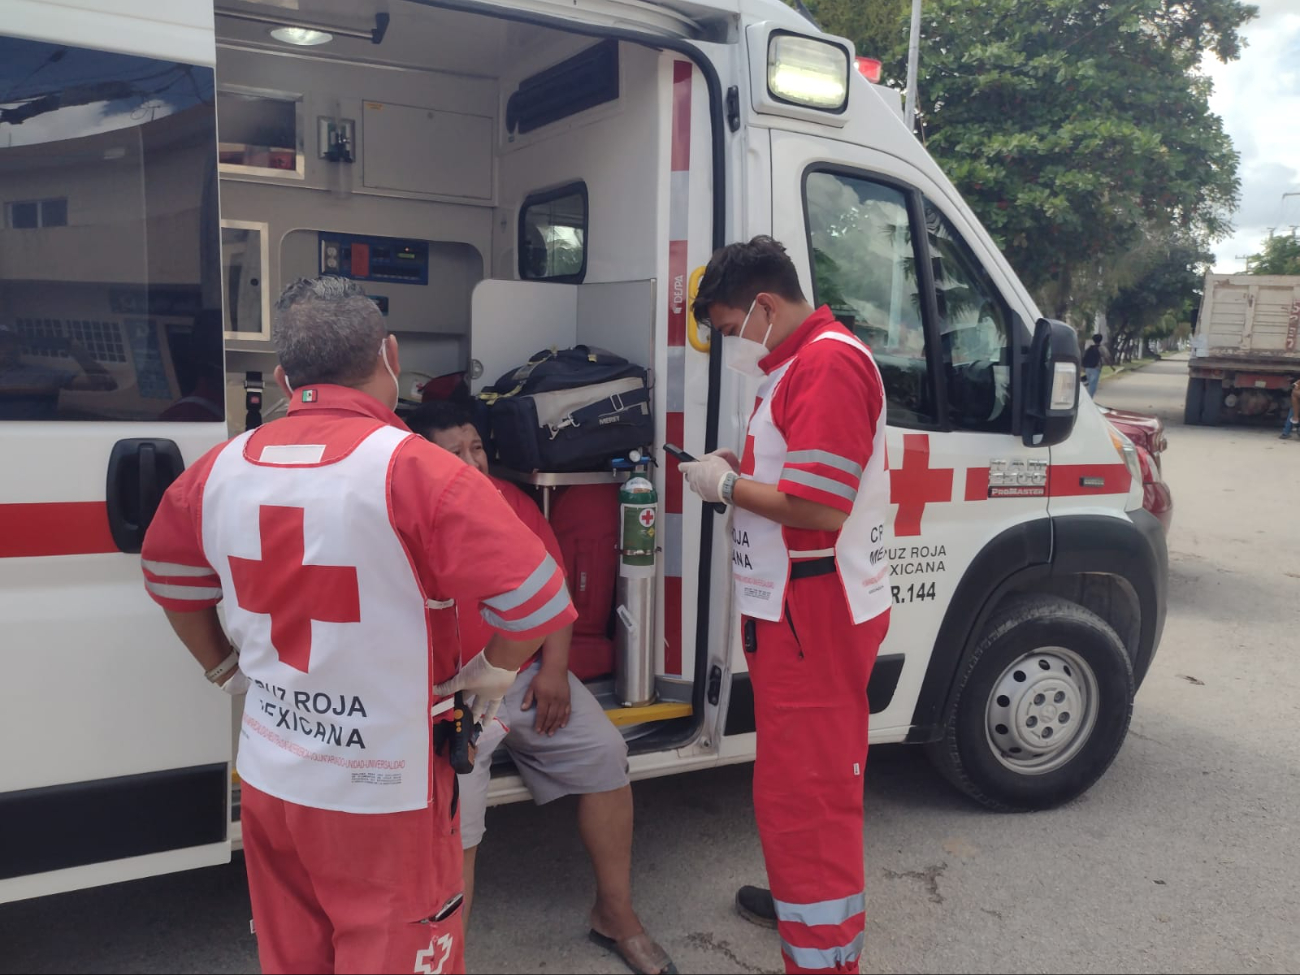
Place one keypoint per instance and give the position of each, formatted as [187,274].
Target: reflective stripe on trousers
[810,672]
[838,959]
[834,913]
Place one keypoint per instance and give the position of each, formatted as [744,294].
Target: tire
[1212,407]
[1195,402]
[1030,656]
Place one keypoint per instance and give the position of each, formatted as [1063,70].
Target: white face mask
[743,355]
[397,387]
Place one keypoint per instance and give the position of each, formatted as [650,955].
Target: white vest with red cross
[761,563]
[323,603]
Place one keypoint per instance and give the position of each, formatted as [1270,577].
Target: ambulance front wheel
[1041,707]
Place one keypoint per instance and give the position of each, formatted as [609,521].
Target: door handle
[139,471]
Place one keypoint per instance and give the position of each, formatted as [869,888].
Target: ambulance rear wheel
[1041,709]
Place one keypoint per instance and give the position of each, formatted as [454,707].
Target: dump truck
[1245,348]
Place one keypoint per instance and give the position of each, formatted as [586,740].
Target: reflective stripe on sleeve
[176,570]
[553,607]
[827,458]
[833,912]
[827,958]
[819,483]
[196,594]
[529,588]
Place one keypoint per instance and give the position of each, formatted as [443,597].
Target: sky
[1258,98]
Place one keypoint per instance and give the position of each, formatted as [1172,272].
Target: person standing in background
[1094,357]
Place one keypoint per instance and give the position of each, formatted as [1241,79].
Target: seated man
[565,747]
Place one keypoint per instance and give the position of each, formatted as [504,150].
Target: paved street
[1185,857]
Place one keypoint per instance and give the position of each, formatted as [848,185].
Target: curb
[1127,368]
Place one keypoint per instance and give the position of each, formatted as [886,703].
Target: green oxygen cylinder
[634,675]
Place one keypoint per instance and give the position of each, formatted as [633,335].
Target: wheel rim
[1042,710]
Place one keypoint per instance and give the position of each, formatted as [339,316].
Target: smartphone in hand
[686,458]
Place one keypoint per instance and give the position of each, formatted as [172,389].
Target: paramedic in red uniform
[556,733]
[333,536]
[810,498]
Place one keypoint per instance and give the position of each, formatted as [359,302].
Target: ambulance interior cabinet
[425,151]
[260,133]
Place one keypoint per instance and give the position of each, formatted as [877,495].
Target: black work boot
[755,905]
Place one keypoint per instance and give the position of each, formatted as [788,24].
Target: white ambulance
[504,176]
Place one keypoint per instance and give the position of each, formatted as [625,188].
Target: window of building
[31,214]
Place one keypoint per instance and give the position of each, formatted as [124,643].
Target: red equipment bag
[585,521]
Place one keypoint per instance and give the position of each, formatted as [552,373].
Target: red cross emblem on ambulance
[916,484]
[647,517]
[292,593]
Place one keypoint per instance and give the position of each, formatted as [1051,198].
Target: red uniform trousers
[810,673]
[347,892]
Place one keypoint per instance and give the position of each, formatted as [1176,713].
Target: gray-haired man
[331,533]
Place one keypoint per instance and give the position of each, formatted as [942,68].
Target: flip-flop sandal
[639,953]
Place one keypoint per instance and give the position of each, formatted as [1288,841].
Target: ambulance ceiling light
[301,36]
[308,35]
[805,71]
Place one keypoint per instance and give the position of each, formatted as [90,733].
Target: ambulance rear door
[117,752]
[899,260]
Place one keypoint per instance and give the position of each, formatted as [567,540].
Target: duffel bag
[569,410]
[552,369]
[572,429]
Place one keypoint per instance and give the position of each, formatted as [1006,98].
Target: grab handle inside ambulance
[139,471]
[700,343]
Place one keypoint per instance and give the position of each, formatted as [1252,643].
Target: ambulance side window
[553,235]
[864,266]
[974,325]
[110,262]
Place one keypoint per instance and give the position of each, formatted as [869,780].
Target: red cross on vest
[291,593]
[916,484]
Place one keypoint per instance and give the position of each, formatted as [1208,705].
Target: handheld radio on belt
[456,733]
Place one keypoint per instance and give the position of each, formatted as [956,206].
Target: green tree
[1279,255]
[1076,129]
[1159,286]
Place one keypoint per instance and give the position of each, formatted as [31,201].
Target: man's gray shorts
[586,755]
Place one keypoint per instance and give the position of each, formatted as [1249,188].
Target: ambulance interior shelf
[548,482]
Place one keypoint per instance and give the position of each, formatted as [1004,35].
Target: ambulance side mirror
[1051,400]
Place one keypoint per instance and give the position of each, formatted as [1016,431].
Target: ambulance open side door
[117,752]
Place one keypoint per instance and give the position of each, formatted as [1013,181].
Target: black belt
[823,566]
